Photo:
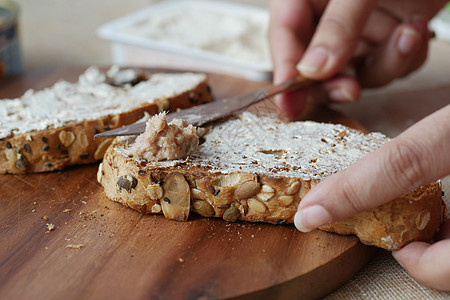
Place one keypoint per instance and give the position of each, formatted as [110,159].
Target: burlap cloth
[384,278]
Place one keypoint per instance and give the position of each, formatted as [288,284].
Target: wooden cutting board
[126,255]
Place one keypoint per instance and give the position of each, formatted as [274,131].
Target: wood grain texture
[127,255]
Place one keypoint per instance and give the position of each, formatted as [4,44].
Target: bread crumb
[45,218]
[74,246]
[50,227]
[66,211]
[84,202]
[33,210]
[181,260]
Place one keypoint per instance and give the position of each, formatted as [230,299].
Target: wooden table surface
[125,254]
[389,110]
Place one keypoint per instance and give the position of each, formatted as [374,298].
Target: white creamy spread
[239,36]
[121,77]
[262,145]
[90,98]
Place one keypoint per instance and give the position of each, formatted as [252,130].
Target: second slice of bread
[53,128]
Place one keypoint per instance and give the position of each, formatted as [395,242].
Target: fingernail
[311,217]
[298,222]
[342,95]
[314,62]
[408,40]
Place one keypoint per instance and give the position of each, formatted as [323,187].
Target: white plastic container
[441,24]
[237,36]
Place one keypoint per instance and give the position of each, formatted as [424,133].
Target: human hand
[389,38]
[429,264]
[416,157]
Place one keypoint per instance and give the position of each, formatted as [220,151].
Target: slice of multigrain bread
[258,169]
[53,128]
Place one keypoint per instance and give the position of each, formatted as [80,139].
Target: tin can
[10,55]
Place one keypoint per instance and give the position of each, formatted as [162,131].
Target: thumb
[416,157]
[428,264]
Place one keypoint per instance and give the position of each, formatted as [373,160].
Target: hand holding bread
[319,50]
[414,158]
[258,169]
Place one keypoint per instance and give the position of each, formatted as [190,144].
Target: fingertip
[342,95]
[335,39]
[424,263]
[409,40]
[427,263]
[343,89]
[409,255]
[298,222]
[317,63]
[404,52]
[311,217]
[398,258]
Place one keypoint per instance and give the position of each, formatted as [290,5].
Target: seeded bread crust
[55,149]
[415,216]
[253,197]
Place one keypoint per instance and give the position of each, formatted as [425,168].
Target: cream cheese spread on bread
[263,145]
[90,98]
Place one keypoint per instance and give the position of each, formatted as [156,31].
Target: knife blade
[205,113]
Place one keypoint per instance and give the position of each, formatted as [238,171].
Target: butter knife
[218,109]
